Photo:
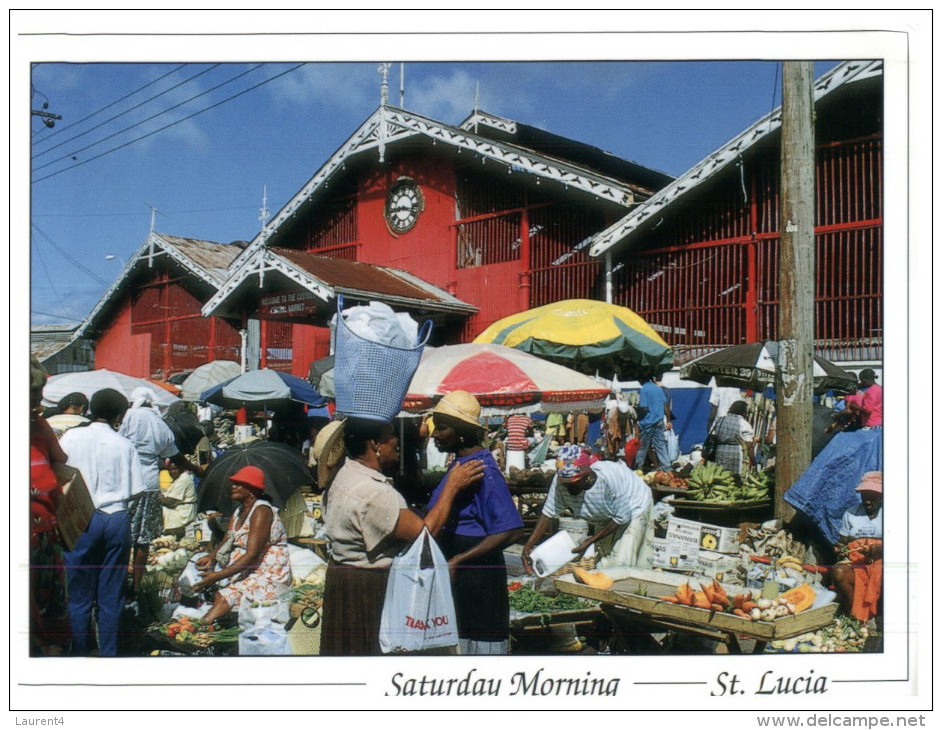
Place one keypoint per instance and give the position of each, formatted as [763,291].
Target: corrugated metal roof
[44,346]
[207,254]
[343,274]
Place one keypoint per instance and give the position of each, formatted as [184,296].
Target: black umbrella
[753,366]
[285,472]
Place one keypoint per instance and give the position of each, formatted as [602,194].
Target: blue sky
[96,175]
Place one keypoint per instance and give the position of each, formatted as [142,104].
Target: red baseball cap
[249,476]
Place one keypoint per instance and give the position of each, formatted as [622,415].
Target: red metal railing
[706,281]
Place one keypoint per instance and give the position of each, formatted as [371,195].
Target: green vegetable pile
[527,600]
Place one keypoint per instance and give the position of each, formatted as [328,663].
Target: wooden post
[796,283]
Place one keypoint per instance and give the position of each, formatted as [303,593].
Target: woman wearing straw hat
[259,568]
[367,523]
[483,521]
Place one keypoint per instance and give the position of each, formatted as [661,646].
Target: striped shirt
[517,427]
[618,494]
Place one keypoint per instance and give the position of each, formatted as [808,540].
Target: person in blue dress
[483,521]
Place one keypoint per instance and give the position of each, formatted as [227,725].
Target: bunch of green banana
[711,482]
[755,487]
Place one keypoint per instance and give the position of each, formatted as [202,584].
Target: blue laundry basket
[371,379]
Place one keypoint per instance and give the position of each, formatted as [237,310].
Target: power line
[126,215]
[150,134]
[67,257]
[52,285]
[143,121]
[126,111]
[117,101]
[55,316]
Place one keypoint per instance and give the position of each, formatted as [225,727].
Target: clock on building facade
[404,203]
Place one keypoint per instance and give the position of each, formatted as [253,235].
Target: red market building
[480,221]
[699,260]
[149,323]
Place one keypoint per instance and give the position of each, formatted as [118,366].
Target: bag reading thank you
[419,611]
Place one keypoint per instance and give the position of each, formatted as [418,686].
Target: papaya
[594,579]
[801,597]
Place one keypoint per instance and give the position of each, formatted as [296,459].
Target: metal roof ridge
[707,167]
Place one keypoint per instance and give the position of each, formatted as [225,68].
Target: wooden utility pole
[796,282]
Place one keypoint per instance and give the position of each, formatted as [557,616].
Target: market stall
[636,598]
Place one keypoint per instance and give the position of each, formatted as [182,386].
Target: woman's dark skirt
[353,608]
[482,606]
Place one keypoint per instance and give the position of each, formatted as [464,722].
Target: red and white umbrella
[503,379]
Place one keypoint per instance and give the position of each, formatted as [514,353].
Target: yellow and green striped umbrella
[586,335]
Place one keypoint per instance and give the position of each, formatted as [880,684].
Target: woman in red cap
[258,568]
[858,578]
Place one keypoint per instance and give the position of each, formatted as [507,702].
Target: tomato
[515,586]
[173,630]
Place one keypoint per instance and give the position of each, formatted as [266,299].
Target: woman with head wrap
[49,632]
[155,442]
[483,520]
[609,496]
[858,577]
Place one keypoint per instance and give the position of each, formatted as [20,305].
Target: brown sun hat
[329,451]
[459,404]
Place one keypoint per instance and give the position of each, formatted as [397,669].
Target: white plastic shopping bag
[673,444]
[419,611]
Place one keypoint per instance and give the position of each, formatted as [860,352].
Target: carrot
[700,600]
[740,612]
[684,594]
[669,599]
[717,607]
[719,593]
[738,600]
[748,606]
[707,589]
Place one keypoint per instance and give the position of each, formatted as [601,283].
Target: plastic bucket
[550,556]
[371,379]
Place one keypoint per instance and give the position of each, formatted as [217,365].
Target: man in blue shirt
[653,403]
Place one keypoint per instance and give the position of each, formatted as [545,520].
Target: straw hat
[460,404]
[329,451]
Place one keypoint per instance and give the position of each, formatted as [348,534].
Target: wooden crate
[625,593]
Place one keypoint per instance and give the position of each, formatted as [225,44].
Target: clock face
[403,205]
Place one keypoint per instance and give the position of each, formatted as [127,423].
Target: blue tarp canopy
[827,489]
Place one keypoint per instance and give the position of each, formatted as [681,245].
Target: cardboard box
[719,566]
[673,555]
[702,536]
[75,507]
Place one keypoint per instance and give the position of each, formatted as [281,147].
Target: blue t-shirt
[652,397]
[481,510]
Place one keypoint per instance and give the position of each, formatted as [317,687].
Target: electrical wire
[150,134]
[148,119]
[116,101]
[121,114]
[55,292]
[67,257]
[56,316]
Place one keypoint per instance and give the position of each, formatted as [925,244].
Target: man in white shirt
[720,401]
[97,567]
[608,495]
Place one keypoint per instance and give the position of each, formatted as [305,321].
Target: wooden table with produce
[668,601]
